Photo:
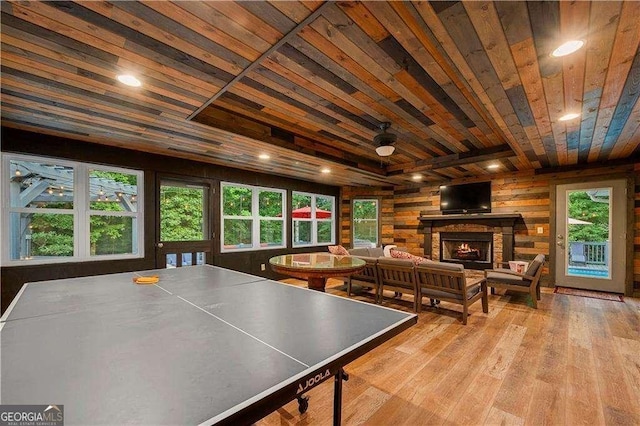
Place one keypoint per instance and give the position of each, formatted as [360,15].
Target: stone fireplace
[472,249]
[475,240]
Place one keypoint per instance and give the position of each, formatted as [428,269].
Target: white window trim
[81,212]
[255,217]
[377,219]
[314,224]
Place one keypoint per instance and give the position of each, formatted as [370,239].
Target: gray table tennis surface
[204,345]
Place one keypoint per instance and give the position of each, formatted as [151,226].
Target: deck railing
[589,253]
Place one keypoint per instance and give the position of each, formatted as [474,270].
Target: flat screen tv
[466,198]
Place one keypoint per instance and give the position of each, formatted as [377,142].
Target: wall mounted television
[466,198]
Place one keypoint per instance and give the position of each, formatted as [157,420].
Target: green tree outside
[181,214]
[582,207]
[110,234]
[51,234]
[365,221]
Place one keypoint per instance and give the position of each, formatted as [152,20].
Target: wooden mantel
[506,221]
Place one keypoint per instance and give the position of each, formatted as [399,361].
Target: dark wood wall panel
[12,278]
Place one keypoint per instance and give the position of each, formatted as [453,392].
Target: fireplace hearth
[472,249]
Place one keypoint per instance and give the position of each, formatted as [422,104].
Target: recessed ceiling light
[326,170]
[567,48]
[129,80]
[416,177]
[493,166]
[264,156]
[569,116]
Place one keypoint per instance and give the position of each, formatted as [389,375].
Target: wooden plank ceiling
[464,84]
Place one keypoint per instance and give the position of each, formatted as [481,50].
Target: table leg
[337,396]
[316,283]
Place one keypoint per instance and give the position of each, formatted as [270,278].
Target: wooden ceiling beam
[235,123]
[452,160]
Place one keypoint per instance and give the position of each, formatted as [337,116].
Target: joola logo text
[312,381]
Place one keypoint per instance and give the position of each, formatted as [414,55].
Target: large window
[313,219]
[57,211]
[252,217]
[365,223]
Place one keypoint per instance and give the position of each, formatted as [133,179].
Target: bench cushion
[535,265]
[493,276]
[437,294]
[367,251]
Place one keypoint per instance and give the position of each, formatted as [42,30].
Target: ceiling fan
[385,141]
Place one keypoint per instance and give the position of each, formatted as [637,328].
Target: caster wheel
[303,404]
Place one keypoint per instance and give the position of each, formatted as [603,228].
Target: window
[183,211]
[252,217]
[313,219]
[365,223]
[67,211]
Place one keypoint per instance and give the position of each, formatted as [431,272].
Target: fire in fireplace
[473,249]
[466,252]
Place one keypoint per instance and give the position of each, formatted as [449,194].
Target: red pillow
[404,255]
[338,250]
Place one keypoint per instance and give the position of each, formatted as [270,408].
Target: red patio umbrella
[305,212]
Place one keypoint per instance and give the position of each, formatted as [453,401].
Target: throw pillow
[338,250]
[404,255]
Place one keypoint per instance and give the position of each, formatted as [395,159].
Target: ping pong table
[205,345]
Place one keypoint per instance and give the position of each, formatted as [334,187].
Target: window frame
[81,211]
[377,219]
[255,217]
[314,221]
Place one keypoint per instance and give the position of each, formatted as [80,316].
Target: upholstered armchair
[529,282]
[446,281]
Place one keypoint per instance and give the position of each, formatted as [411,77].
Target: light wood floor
[572,361]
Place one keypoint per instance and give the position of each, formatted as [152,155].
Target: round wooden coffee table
[316,267]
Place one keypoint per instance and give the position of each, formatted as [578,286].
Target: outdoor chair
[398,275]
[529,282]
[367,277]
[446,281]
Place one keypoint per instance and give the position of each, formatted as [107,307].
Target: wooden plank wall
[526,193]
[636,232]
